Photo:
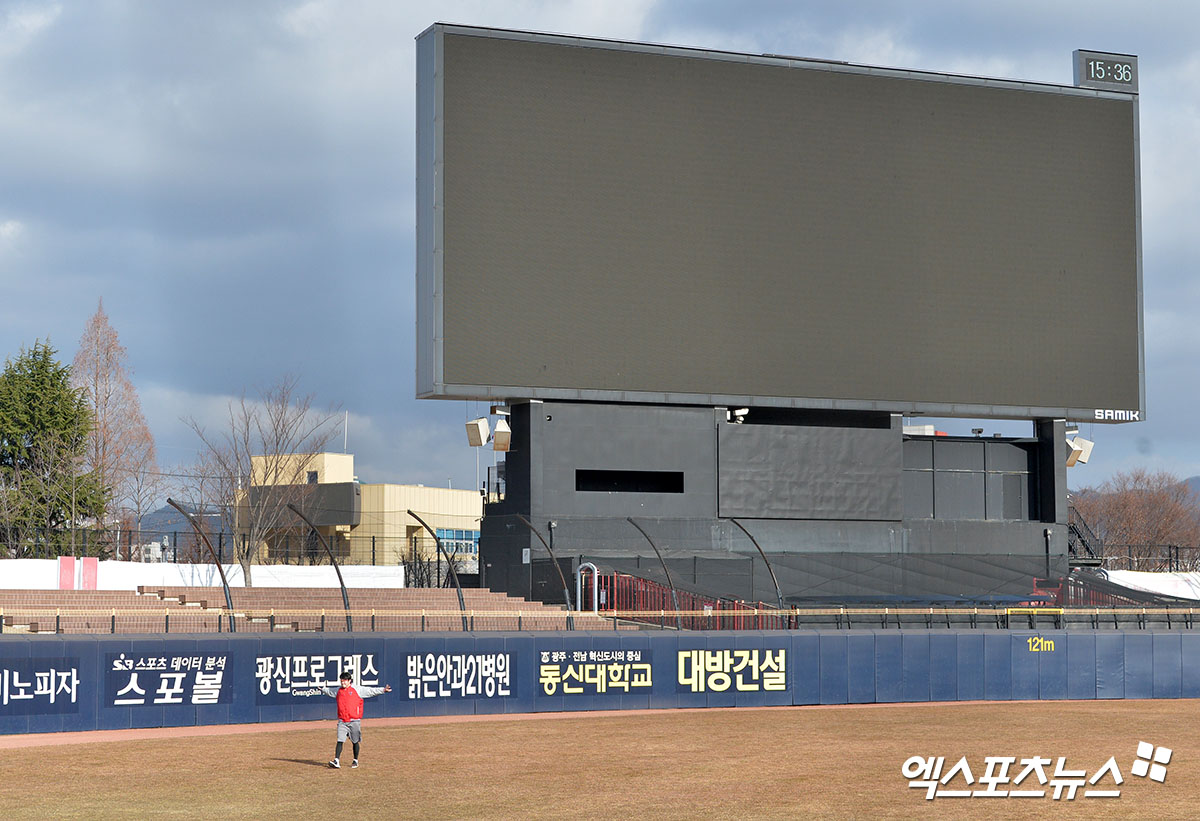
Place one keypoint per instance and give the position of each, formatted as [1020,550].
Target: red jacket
[349,704]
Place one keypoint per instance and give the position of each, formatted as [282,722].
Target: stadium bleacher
[269,609]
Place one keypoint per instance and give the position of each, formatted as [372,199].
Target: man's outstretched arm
[371,692]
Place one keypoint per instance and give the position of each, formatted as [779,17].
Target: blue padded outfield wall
[82,682]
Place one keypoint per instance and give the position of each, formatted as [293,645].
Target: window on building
[460,542]
[312,477]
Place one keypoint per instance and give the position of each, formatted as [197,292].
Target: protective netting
[716,558]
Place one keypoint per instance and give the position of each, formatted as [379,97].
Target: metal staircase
[1084,547]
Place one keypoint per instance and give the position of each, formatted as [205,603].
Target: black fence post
[372,555]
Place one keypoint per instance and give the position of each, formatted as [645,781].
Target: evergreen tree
[44,423]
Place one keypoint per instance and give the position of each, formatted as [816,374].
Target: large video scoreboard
[627,222]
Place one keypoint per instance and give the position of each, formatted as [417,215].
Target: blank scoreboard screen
[614,221]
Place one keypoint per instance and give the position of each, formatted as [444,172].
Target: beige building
[302,468]
[364,523]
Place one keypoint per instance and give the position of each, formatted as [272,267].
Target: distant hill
[167,519]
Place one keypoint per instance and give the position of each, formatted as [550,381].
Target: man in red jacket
[350,711]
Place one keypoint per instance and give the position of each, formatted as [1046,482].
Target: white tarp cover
[1179,585]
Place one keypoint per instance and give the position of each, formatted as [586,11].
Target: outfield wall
[102,682]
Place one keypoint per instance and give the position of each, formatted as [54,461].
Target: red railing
[1083,591]
[639,598]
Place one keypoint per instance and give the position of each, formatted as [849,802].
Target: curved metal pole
[770,569]
[332,558]
[462,605]
[224,582]
[671,584]
[566,594]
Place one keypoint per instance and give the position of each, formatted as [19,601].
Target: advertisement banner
[39,686]
[56,683]
[137,680]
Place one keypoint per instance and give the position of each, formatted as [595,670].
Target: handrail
[595,586]
[8,610]
[49,619]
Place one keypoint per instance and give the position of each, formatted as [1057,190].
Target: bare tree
[208,494]
[119,439]
[1142,511]
[260,461]
[145,484]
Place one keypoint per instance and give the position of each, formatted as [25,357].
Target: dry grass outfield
[797,763]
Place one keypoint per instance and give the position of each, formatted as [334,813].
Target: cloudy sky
[235,180]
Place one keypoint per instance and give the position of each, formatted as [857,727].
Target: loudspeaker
[502,435]
[477,432]
[1085,445]
[1074,451]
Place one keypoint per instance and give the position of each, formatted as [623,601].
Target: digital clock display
[1115,72]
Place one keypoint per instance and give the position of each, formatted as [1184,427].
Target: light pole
[333,561]
[462,605]
[224,582]
[549,549]
[666,571]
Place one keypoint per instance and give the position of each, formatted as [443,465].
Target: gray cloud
[235,180]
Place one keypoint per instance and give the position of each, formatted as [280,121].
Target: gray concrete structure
[844,505]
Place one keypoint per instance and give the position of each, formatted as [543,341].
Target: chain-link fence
[114,543]
[288,547]
[764,562]
[1152,558]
